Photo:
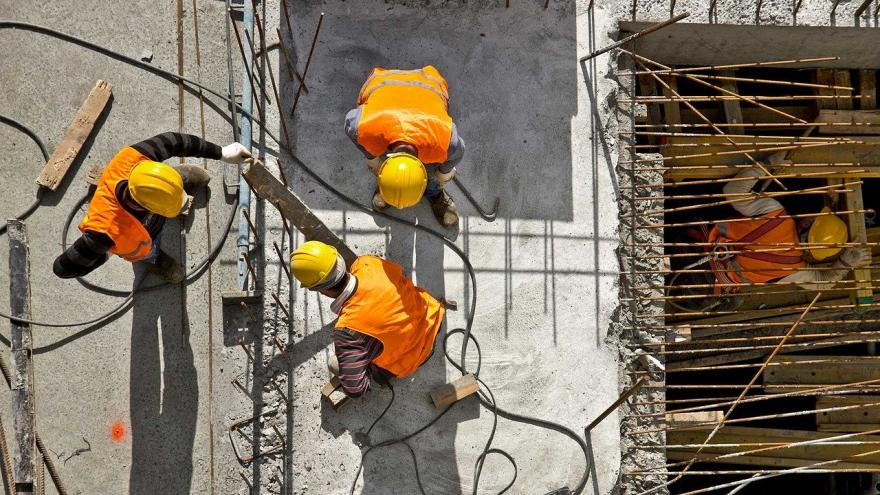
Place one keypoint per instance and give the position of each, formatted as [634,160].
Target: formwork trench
[755,386]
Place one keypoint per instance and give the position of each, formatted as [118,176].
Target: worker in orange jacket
[135,195]
[766,245]
[402,125]
[386,324]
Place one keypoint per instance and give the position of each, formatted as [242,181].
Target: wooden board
[692,418]
[270,189]
[782,457]
[732,108]
[857,369]
[671,109]
[842,78]
[826,77]
[868,89]
[849,419]
[858,234]
[446,395]
[77,133]
[332,391]
[869,121]
[22,383]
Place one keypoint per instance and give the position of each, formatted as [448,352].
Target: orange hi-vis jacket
[408,106]
[106,215]
[767,235]
[388,307]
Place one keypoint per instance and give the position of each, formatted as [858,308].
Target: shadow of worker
[391,469]
[163,393]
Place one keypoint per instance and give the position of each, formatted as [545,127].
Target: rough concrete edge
[626,326]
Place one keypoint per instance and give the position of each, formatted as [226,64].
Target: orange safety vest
[408,106]
[131,240]
[388,307]
[749,266]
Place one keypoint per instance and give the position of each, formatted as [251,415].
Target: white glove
[235,153]
[855,256]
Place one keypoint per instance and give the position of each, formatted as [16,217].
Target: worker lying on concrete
[386,325]
[755,251]
[135,195]
[402,125]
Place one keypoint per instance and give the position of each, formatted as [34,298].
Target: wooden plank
[77,133]
[842,78]
[672,109]
[270,189]
[858,234]
[849,419]
[332,391]
[732,108]
[25,445]
[782,457]
[754,115]
[826,77]
[692,418]
[862,117]
[648,87]
[857,369]
[868,89]
[446,395]
[771,462]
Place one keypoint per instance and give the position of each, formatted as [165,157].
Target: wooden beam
[868,89]
[865,122]
[849,419]
[22,369]
[648,87]
[332,391]
[793,456]
[857,233]
[826,77]
[270,189]
[857,369]
[732,108]
[842,78]
[77,133]
[692,418]
[450,393]
[672,109]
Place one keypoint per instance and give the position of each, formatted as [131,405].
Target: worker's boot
[194,177]
[167,268]
[379,203]
[444,209]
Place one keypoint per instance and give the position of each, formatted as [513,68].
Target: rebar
[308,63]
[648,30]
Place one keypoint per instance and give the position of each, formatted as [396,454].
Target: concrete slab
[545,293]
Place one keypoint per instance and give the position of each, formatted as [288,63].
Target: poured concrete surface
[544,296]
[540,135]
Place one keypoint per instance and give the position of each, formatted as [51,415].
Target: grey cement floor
[546,269]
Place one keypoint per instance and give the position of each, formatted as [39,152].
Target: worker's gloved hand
[235,153]
[855,256]
[441,178]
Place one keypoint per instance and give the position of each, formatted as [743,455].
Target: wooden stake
[445,395]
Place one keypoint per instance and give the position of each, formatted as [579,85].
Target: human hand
[235,153]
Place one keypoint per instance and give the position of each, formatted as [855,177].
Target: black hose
[39,142]
[486,398]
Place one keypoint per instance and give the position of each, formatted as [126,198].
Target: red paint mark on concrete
[117,431]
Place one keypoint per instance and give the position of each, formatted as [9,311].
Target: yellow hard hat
[313,262]
[827,229]
[157,187]
[402,180]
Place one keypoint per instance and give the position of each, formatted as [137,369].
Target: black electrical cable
[39,142]
[487,398]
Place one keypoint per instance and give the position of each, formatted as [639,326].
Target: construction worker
[386,325]
[135,195]
[402,125]
[756,250]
